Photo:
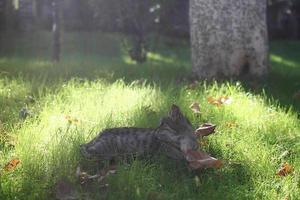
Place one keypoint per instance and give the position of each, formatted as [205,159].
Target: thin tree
[229,38]
[56,30]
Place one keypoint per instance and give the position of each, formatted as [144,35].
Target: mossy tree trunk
[229,38]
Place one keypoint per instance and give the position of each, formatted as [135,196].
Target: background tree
[229,38]
[174,18]
[56,30]
[283,19]
[137,19]
[134,18]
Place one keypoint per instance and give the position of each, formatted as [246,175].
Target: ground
[96,86]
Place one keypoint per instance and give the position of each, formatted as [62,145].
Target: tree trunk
[229,38]
[8,15]
[56,48]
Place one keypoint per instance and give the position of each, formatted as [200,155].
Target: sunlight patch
[279,59]
[128,60]
[34,64]
[151,56]
[157,57]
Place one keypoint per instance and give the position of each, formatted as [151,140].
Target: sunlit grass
[280,60]
[157,57]
[47,144]
[151,57]
[252,133]
[284,79]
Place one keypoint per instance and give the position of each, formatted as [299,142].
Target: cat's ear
[175,113]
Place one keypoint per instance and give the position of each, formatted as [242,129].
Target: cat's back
[121,141]
[125,132]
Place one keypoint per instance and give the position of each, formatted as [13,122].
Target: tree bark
[229,38]
[56,31]
[8,15]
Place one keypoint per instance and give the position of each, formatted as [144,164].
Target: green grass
[97,84]
[284,80]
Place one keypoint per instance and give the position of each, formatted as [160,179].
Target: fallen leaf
[68,117]
[11,165]
[213,101]
[72,120]
[210,99]
[285,169]
[76,121]
[200,159]
[195,107]
[226,100]
[223,100]
[231,124]
[205,130]
[82,176]
[203,142]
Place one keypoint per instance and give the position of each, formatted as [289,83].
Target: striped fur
[173,137]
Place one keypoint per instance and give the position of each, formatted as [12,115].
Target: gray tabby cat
[173,137]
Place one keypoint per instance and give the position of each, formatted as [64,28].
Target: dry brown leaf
[11,165]
[72,120]
[83,178]
[285,169]
[76,121]
[210,99]
[223,100]
[200,159]
[195,107]
[205,130]
[213,101]
[231,124]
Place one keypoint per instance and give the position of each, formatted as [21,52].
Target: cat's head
[177,131]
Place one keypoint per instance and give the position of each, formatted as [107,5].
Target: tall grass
[252,135]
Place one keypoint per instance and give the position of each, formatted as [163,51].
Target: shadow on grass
[168,179]
[284,78]
[164,178]
[230,182]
